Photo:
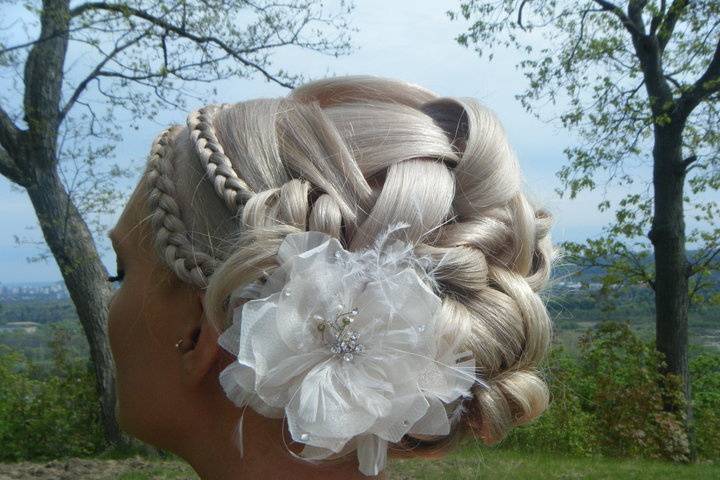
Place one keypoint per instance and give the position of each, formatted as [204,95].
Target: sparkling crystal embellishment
[344,341]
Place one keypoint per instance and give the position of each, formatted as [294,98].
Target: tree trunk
[671,264]
[71,243]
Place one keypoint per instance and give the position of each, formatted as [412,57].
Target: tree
[648,71]
[135,57]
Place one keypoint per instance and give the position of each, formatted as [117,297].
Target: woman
[245,204]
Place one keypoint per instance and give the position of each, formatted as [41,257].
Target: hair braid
[171,239]
[228,185]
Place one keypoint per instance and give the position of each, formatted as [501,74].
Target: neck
[212,452]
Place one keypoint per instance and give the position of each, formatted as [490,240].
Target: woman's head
[346,156]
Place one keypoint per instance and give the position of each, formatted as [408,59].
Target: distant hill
[572,308]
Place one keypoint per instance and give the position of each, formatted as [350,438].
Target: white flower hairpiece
[348,347]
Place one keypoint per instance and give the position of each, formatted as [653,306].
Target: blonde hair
[348,156]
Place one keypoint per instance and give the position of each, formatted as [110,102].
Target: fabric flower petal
[320,406]
[237,381]
[372,454]
[347,347]
[434,422]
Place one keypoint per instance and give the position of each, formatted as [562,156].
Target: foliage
[639,81]
[628,395]
[48,414]
[606,400]
[36,310]
[620,72]
[705,374]
[128,61]
[609,400]
[567,426]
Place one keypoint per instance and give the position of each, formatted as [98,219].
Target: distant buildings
[575,286]
[33,291]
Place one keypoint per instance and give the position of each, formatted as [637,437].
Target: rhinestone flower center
[343,341]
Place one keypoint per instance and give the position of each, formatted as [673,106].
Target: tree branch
[693,269]
[20,46]
[56,34]
[635,8]
[9,148]
[581,35]
[43,83]
[689,161]
[705,260]
[693,289]
[9,169]
[647,50]
[667,26]
[95,72]
[706,85]
[672,80]
[178,30]
[519,16]
[656,19]
[618,12]
[9,133]
[640,269]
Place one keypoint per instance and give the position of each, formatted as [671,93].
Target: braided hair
[348,156]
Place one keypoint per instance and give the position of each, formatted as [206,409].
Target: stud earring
[179,343]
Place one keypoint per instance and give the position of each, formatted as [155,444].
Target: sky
[412,40]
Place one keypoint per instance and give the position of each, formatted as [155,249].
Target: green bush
[605,400]
[566,427]
[609,400]
[626,393]
[48,414]
[705,375]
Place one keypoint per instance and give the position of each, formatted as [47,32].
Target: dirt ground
[88,469]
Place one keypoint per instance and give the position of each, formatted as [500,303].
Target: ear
[199,360]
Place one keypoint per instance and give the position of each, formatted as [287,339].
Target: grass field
[498,464]
[466,463]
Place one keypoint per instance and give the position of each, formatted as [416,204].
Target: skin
[172,398]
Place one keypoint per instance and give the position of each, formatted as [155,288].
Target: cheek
[122,329]
[112,317]
[117,336]
[114,328]
[122,320]
[138,359]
